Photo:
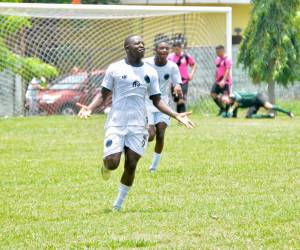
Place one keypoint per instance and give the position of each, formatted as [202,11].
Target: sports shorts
[158,117]
[216,89]
[117,138]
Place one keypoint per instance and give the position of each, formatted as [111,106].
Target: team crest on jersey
[166,76]
[124,76]
[136,84]
[147,79]
[108,143]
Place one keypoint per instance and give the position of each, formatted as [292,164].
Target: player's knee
[213,95]
[112,162]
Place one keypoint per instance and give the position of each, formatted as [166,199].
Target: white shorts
[133,137]
[157,117]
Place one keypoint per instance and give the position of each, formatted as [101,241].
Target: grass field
[227,184]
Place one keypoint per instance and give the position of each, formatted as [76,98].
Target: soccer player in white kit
[130,80]
[168,73]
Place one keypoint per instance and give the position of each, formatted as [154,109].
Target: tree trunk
[271,92]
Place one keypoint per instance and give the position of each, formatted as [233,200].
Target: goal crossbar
[68,11]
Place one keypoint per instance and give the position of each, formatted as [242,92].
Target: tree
[270,49]
[26,67]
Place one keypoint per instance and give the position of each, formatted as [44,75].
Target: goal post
[80,41]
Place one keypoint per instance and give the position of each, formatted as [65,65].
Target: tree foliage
[26,67]
[270,49]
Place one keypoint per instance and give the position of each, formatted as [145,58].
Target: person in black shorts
[223,80]
[253,101]
[184,61]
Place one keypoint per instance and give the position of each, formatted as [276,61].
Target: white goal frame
[69,11]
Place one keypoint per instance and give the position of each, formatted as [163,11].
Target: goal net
[52,56]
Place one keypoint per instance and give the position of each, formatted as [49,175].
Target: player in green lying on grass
[253,101]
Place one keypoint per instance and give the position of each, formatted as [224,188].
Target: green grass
[227,184]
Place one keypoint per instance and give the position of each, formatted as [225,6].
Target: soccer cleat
[291,115]
[105,173]
[152,170]
[116,209]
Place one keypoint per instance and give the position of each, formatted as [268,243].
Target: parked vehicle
[62,96]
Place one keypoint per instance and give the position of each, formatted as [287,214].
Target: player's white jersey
[167,74]
[130,87]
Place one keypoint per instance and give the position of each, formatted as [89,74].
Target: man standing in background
[223,80]
[31,96]
[183,61]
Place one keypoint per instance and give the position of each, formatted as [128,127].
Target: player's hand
[84,112]
[177,90]
[183,118]
[222,83]
[191,77]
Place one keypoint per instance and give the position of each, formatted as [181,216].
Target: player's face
[162,50]
[136,47]
[220,52]
[177,50]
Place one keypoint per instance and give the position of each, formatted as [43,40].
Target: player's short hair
[127,40]
[220,47]
[177,45]
[161,38]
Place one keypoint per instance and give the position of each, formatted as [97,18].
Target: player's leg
[160,137]
[110,163]
[252,111]
[214,93]
[185,88]
[152,133]
[135,145]
[235,113]
[151,129]
[181,104]
[226,91]
[114,143]
[163,121]
[127,179]
[270,106]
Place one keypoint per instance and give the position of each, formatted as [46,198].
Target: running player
[130,80]
[254,101]
[168,73]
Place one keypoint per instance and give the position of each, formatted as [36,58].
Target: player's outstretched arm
[162,107]
[86,111]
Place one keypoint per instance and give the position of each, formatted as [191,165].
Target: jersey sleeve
[191,60]
[175,77]
[108,80]
[154,85]
[228,63]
